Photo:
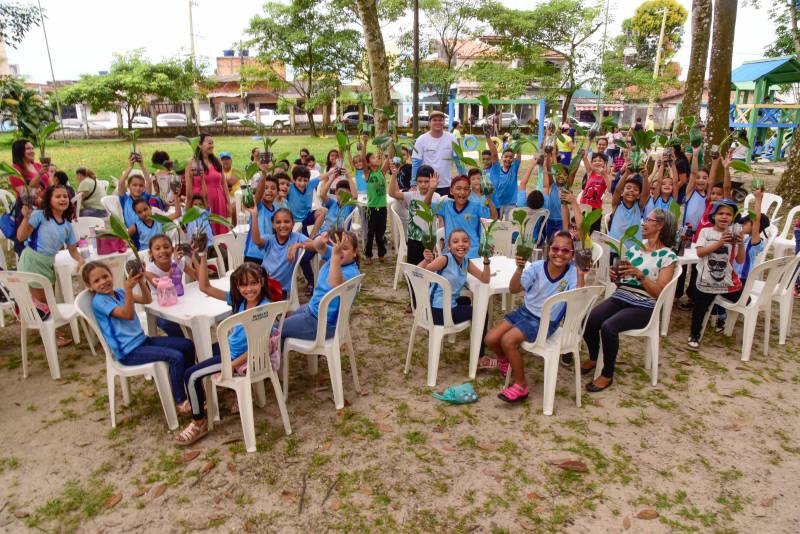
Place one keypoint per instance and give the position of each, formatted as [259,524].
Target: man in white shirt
[435,148]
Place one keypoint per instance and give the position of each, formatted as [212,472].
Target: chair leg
[435,336]
[748,332]
[335,370]
[244,396]
[576,360]
[287,427]
[161,379]
[285,371]
[648,355]
[76,331]
[353,364]
[260,393]
[767,327]
[23,344]
[410,350]
[89,337]
[51,348]
[653,348]
[212,402]
[112,400]
[730,322]
[126,390]
[396,271]
[313,364]
[550,378]
[785,318]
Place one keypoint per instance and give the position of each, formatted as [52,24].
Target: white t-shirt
[415,225]
[154,269]
[438,153]
[715,272]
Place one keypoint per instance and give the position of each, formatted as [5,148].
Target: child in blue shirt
[261,216]
[301,195]
[336,212]
[341,264]
[753,243]
[163,262]
[539,280]
[627,204]
[145,228]
[459,213]
[279,248]
[475,195]
[116,316]
[133,185]
[503,173]
[552,196]
[249,288]
[44,233]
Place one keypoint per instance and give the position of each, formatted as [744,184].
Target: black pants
[606,321]
[376,230]
[690,291]
[702,301]
[460,313]
[414,251]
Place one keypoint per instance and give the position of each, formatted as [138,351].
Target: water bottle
[176,276]
[92,240]
[83,249]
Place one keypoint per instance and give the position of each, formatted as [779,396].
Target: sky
[84,34]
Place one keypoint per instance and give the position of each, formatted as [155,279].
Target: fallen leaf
[112,501]
[231,440]
[288,497]
[88,392]
[347,403]
[449,448]
[208,467]
[626,523]
[382,415]
[527,525]
[574,465]
[21,514]
[325,446]
[558,461]
[159,490]
[364,392]
[138,493]
[766,503]
[336,504]
[647,514]
[188,456]
[599,403]
[532,496]
[384,427]
[231,467]
[498,478]
[488,447]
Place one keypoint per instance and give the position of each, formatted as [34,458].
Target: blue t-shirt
[361,182]
[475,197]
[625,217]
[237,338]
[468,219]
[122,335]
[145,233]
[456,274]
[264,228]
[49,236]
[333,212]
[275,261]
[553,204]
[648,207]
[694,208]
[201,225]
[323,286]
[538,286]
[300,201]
[128,213]
[505,183]
[751,252]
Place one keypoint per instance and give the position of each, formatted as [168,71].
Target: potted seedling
[525,243]
[486,244]
[117,229]
[424,212]
[198,239]
[628,235]
[487,187]
[345,199]
[584,246]
[39,137]
[133,137]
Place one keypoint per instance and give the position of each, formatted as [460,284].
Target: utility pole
[652,99]
[52,74]
[195,100]
[602,58]
[415,75]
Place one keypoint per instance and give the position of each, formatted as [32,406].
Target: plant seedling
[525,244]
[428,215]
[117,229]
[40,135]
[583,248]
[486,245]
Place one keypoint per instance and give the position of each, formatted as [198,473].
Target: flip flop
[513,394]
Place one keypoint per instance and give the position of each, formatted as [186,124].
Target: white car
[140,121]
[507,120]
[171,119]
[231,118]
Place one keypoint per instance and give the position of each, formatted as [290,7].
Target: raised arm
[122,184]
[264,170]
[727,184]
[755,227]
[202,278]
[617,196]
[491,145]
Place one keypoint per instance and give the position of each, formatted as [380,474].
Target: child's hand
[726,238]
[726,161]
[428,255]
[434,180]
[758,194]
[520,261]
[336,241]
[26,211]
[133,281]
[290,253]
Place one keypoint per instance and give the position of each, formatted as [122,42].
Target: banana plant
[486,244]
[261,132]
[133,137]
[628,235]
[424,212]
[39,135]
[193,143]
[525,243]
[117,229]
[391,116]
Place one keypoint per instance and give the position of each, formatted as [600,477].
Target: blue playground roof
[774,70]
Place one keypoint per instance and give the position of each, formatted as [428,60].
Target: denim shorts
[528,323]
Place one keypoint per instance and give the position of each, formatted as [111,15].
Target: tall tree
[16,19]
[378,62]
[23,107]
[698,58]
[566,27]
[310,40]
[644,28]
[719,84]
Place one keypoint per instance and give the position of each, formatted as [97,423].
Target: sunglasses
[561,250]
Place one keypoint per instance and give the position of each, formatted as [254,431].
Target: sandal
[587,370]
[62,342]
[487,362]
[513,394]
[191,434]
[184,408]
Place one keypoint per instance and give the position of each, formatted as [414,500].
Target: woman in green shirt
[376,201]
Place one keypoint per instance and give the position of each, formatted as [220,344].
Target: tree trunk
[719,85]
[310,115]
[565,109]
[698,58]
[378,64]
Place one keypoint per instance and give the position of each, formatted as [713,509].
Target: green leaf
[689,122]
[521,219]
[744,141]
[458,150]
[193,142]
[191,215]
[250,170]
[8,170]
[484,100]
[382,141]
[468,161]
[675,208]
[741,166]
[219,219]
[630,232]
[341,139]
[621,143]
[662,140]
[163,219]
[588,220]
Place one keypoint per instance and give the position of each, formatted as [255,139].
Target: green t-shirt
[376,190]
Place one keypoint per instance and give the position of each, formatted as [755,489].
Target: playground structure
[755,84]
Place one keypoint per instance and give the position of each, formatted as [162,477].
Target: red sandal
[513,394]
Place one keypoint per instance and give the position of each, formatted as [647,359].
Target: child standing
[116,316]
[411,200]
[597,182]
[539,280]
[376,201]
[552,195]
[300,197]
[357,163]
[503,174]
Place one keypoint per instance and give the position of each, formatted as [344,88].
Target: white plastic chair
[8,305]
[605,224]
[111,183]
[567,339]
[783,244]
[653,330]
[783,295]
[112,205]
[257,323]
[538,220]
[294,294]
[235,250]
[420,281]
[503,238]
[603,266]
[83,224]
[399,238]
[330,348]
[157,371]
[770,272]
[767,202]
[7,200]
[17,284]
[241,215]
[440,246]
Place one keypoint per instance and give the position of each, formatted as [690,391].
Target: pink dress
[217,197]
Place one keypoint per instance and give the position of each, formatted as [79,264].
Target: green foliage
[118,230]
[588,220]
[261,132]
[193,142]
[16,20]
[345,199]
[133,136]
[457,150]
[24,107]
[741,166]
[428,215]
[781,15]
[40,133]
[645,27]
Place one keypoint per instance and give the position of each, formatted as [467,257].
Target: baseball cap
[225,155]
[436,114]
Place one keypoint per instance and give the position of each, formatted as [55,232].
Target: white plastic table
[502,270]
[195,310]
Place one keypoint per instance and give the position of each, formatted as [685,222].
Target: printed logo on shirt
[562,286]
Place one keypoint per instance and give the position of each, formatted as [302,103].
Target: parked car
[77,124]
[142,122]
[232,118]
[351,118]
[423,118]
[264,112]
[171,119]
[572,121]
[507,120]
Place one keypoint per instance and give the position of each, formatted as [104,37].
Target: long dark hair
[68,214]
[211,157]
[328,163]
[18,152]
[241,274]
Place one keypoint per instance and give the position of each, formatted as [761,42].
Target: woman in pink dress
[204,177]
[23,156]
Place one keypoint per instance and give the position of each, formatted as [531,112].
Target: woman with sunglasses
[642,276]
[539,280]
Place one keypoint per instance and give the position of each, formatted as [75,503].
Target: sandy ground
[714,447]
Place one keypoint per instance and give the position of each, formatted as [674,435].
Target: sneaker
[567,359]
[693,343]
[720,327]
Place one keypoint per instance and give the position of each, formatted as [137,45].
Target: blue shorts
[527,323]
